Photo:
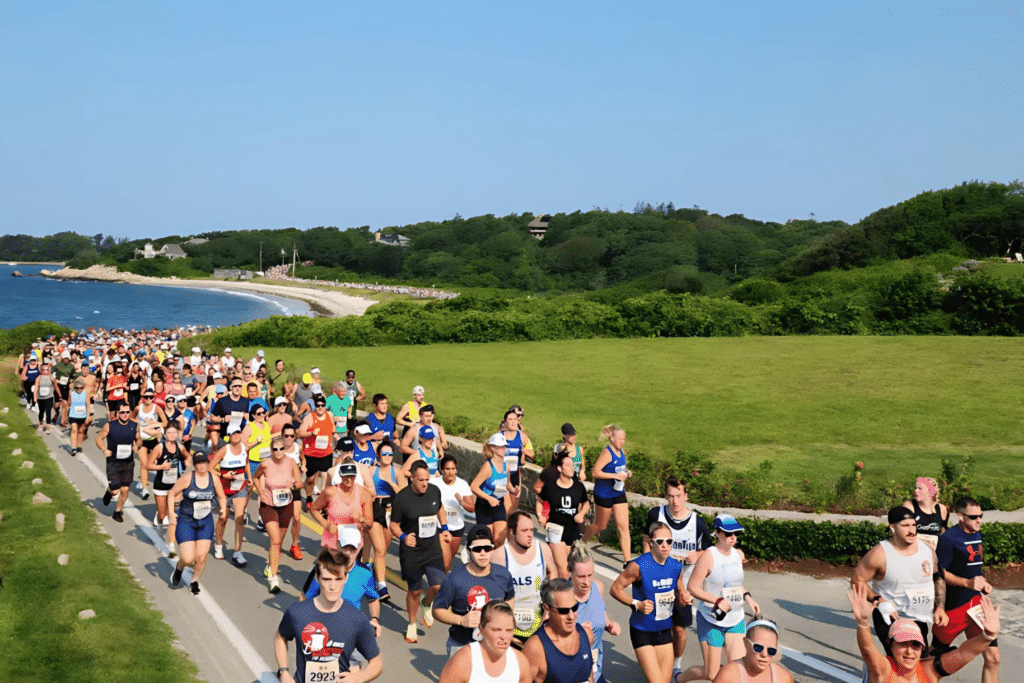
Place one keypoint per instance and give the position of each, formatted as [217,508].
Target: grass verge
[41,636]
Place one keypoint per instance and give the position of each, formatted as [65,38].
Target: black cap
[568,429]
[346,444]
[900,513]
[200,458]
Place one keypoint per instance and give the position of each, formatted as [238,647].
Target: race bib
[427,526]
[78,411]
[281,497]
[920,598]
[620,484]
[236,415]
[201,509]
[323,442]
[63,381]
[171,475]
[264,453]
[123,451]
[977,615]
[451,513]
[500,488]
[322,672]
[118,393]
[524,617]
[663,603]
[554,532]
[734,594]
[134,386]
[45,391]
[512,463]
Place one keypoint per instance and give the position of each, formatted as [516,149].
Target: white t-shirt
[452,508]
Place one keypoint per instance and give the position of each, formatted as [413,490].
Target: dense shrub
[15,340]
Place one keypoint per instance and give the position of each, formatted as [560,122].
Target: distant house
[539,226]
[392,239]
[233,273]
[171,251]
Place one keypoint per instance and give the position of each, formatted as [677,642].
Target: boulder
[41,499]
[2,425]
[86,614]
[63,559]
[59,524]
[16,451]
[4,410]
[27,465]
[37,482]
[16,273]
[12,435]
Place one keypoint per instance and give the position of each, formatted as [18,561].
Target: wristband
[748,595]
[635,605]
[716,602]
[988,637]
[444,527]
[875,600]
[282,670]
[401,539]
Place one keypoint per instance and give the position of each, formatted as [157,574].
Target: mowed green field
[813,405]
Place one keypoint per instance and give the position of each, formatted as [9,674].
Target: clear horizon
[145,120]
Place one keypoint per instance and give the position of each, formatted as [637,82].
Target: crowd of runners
[205,433]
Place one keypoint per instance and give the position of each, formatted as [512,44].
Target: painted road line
[257,665]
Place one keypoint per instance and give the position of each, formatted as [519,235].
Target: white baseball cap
[497,439]
[364,429]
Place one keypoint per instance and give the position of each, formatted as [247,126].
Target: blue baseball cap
[727,523]
[427,432]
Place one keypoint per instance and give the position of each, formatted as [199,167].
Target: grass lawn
[1007,271]
[813,405]
[41,637]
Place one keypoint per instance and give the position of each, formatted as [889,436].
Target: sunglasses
[287,436]
[975,517]
[149,398]
[481,549]
[260,412]
[386,454]
[124,412]
[662,541]
[727,534]
[277,449]
[565,610]
[236,386]
[321,405]
[759,648]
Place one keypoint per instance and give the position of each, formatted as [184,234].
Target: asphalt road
[228,629]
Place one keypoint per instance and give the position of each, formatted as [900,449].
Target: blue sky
[147,119]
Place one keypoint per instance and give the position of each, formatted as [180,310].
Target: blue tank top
[31,374]
[658,584]
[364,456]
[79,406]
[190,422]
[563,668]
[431,460]
[193,494]
[383,487]
[609,488]
[495,479]
[593,610]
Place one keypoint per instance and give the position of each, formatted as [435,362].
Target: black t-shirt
[565,503]
[413,513]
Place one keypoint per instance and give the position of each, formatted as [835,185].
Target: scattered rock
[5,410]
[41,499]
[60,521]
[2,425]
[1,516]
[86,614]
[27,465]
[16,451]
[63,560]
[37,482]
[12,435]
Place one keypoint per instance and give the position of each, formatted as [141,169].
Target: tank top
[145,417]
[414,411]
[744,676]
[563,668]
[165,479]
[79,405]
[295,453]
[383,487]
[431,460]
[908,582]
[477,673]
[120,438]
[319,446]
[366,455]
[513,451]
[196,501]
[341,513]
[115,387]
[45,390]
[277,483]
[922,677]
[726,573]
[259,449]
[593,610]
[930,526]
[527,579]
[231,465]
[658,584]
[31,373]
[496,483]
[610,488]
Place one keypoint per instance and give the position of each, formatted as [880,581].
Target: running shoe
[309,502]
[260,526]
[145,493]
[171,550]
[218,551]
[428,615]
[107,497]
[410,634]
[382,591]
[195,588]
[156,520]
[74,452]
[296,551]
[275,585]
[117,516]
[239,559]
[176,577]
[266,572]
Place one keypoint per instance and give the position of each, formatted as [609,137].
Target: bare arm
[458,668]
[533,650]
[877,665]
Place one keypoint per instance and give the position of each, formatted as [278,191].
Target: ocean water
[79,305]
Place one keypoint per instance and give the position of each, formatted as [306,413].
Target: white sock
[679,662]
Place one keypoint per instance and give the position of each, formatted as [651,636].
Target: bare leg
[276,534]
[990,669]
[412,604]
[381,539]
[655,662]
[202,552]
[601,517]
[621,512]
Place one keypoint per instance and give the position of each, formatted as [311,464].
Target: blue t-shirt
[326,636]
[658,584]
[359,588]
[387,425]
[463,592]
[959,553]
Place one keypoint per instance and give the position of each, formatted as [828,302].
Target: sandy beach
[322,300]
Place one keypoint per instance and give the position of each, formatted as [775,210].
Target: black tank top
[930,524]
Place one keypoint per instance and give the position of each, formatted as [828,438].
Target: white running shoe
[275,585]
[156,520]
[145,493]
[239,559]
[171,550]
[316,491]
[218,551]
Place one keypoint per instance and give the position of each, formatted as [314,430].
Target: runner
[904,578]
[152,421]
[43,394]
[341,505]
[567,501]
[363,449]
[408,415]
[118,441]
[593,614]
[226,411]
[490,486]
[257,436]
[276,478]
[169,460]
[294,452]
[610,474]
[690,538]
[569,445]
[115,383]
[355,393]
[932,516]
[359,589]
[28,372]
[340,405]
[316,433]
[193,523]
[236,480]
[387,481]
[457,498]
[517,447]
[489,660]
[382,425]
[418,520]
[64,373]
[756,666]
[469,587]
[79,415]
[960,557]
[331,630]
[411,438]
[717,581]
[529,562]
[426,453]
[657,582]
[561,650]
[187,420]
[280,417]
[906,665]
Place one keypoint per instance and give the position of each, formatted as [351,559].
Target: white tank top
[726,572]
[478,674]
[234,461]
[527,579]
[908,582]
[295,453]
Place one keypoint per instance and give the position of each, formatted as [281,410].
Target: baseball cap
[315,371]
[316,388]
[227,350]
[727,523]
[427,433]
[363,429]
[195,349]
[346,444]
[220,389]
[200,458]
[280,400]
[418,390]
[260,353]
[234,429]
[905,631]
[497,439]
[568,429]
[217,375]
[900,513]
[349,536]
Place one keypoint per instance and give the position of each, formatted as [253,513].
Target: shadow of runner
[427,663]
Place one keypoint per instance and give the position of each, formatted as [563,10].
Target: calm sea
[114,305]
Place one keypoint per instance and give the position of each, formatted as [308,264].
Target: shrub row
[15,340]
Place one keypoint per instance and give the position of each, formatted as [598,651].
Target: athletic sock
[679,663]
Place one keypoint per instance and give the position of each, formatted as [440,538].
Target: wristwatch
[283,669]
